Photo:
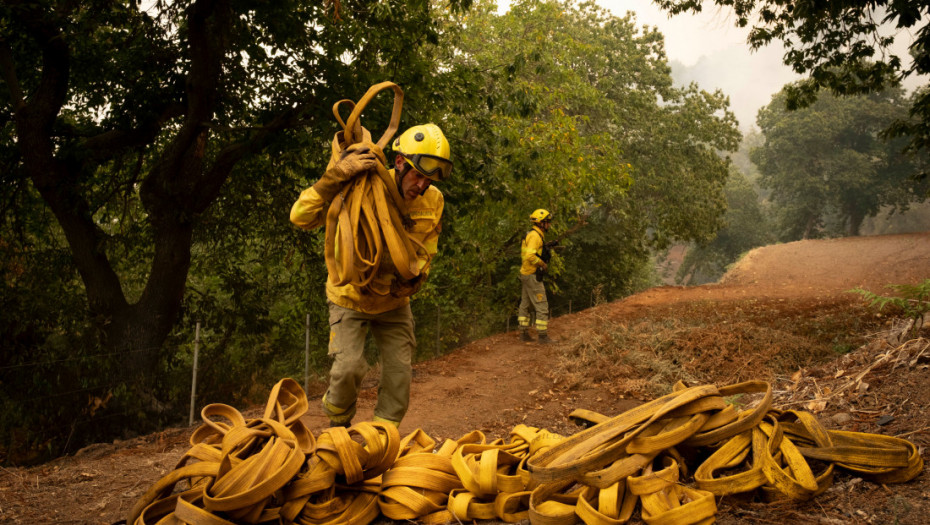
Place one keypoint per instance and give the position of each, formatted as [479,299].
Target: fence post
[307,357]
[569,307]
[190,420]
[438,328]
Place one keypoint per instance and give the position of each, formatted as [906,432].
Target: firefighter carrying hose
[422,157]
[531,270]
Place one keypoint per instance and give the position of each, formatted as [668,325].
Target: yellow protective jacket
[309,212]
[531,249]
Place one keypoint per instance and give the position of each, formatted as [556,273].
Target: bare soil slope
[782,314]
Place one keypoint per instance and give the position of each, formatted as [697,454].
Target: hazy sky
[709,50]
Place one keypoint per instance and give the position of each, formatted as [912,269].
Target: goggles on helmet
[430,166]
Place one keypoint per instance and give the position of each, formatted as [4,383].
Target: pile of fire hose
[272,469]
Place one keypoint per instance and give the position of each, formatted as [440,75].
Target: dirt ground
[782,314]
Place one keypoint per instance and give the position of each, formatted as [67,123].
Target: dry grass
[709,343]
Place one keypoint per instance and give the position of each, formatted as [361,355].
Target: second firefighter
[531,269]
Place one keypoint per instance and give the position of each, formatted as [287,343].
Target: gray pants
[534,295]
[394,336]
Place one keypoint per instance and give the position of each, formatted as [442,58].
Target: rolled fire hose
[366,224]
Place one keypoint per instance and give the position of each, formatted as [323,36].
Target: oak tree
[130,119]
[828,168]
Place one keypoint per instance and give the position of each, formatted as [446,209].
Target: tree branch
[8,71]
[172,181]
[56,180]
[107,144]
[230,155]
[171,193]
[51,94]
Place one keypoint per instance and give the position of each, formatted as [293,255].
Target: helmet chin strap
[400,179]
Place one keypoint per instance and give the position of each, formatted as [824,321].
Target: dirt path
[498,382]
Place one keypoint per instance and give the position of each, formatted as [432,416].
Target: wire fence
[47,402]
[34,368]
[27,368]
[83,357]
[74,391]
[96,387]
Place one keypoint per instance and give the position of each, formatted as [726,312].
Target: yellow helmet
[427,150]
[540,215]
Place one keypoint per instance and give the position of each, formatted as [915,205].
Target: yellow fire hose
[272,469]
[366,224]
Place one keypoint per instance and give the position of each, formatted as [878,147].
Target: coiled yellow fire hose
[272,469]
[366,224]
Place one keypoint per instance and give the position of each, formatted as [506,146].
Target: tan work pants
[394,336]
[534,296]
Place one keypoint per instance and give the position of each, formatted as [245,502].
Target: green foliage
[51,369]
[912,300]
[573,110]
[843,46]
[735,401]
[148,162]
[148,190]
[828,169]
[746,227]
[742,161]
[890,221]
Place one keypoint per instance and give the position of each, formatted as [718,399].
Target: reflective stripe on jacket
[531,249]
[309,212]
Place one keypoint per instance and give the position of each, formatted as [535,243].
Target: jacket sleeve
[310,210]
[431,239]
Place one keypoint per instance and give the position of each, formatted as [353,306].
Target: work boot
[525,336]
[345,424]
[544,338]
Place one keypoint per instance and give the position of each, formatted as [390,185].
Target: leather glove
[353,162]
[403,288]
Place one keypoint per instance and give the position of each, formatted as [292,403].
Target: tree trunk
[854,220]
[138,331]
[175,192]
[809,226]
[179,186]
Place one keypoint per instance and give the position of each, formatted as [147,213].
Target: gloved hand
[353,162]
[403,288]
